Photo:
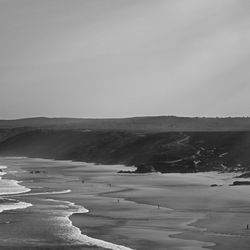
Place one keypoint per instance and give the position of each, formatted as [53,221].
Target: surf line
[12,204]
[14,188]
[85,240]
[42,193]
[82,238]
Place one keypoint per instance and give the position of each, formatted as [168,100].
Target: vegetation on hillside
[164,152]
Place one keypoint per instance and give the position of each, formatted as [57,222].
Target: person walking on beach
[158,206]
[247,226]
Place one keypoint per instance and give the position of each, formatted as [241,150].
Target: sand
[123,208]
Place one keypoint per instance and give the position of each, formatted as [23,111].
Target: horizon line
[121,118]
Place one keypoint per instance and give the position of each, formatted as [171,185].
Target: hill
[143,124]
[164,152]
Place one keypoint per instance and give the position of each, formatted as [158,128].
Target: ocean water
[8,187]
[38,215]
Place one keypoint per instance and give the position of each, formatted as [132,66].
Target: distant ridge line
[123,118]
[140,124]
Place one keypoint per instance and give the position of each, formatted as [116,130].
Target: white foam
[9,187]
[74,233]
[2,172]
[14,206]
[3,166]
[47,193]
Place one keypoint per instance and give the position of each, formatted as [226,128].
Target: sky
[123,58]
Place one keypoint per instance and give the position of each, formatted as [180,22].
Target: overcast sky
[120,58]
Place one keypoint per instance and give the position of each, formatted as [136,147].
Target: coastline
[135,221]
[151,235]
[8,188]
[81,241]
[195,228]
[119,217]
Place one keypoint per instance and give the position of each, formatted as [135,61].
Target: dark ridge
[144,124]
[241,183]
[166,152]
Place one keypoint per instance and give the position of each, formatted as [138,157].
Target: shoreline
[210,177]
[85,240]
[11,204]
[136,217]
[170,233]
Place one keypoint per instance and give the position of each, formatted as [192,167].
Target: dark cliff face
[164,152]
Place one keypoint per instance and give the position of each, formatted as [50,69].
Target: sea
[34,211]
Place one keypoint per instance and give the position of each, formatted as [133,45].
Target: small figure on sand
[247,227]
[158,206]
[118,201]
[110,185]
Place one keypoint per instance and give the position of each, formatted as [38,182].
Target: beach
[76,205]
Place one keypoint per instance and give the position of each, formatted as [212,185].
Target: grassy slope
[166,152]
